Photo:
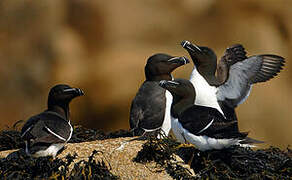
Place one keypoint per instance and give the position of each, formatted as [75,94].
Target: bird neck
[61,110]
[209,75]
[159,77]
[209,69]
[222,72]
[179,105]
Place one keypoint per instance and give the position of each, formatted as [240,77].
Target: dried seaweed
[232,163]
[118,134]
[21,166]
[161,151]
[91,169]
[243,163]
[10,138]
[81,134]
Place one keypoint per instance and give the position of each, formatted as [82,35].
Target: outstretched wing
[244,73]
[232,55]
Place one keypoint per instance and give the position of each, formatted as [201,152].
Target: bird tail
[249,142]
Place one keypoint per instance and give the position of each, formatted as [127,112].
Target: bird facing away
[150,108]
[46,133]
[236,73]
[203,126]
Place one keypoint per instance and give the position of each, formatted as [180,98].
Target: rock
[118,154]
[130,158]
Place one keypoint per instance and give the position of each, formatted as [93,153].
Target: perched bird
[150,109]
[46,133]
[205,127]
[236,74]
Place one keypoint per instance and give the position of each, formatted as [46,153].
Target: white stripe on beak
[197,47]
[173,82]
[69,90]
[172,58]
[185,43]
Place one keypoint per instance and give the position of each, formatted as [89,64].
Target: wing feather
[200,120]
[148,106]
[243,74]
[46,128]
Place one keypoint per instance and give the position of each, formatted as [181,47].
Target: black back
[148,106]
[196,118]
[199,120]
[48,119]
[43,129]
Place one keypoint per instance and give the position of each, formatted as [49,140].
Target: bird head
[160,66]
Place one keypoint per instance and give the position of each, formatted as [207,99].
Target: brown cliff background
[102,47]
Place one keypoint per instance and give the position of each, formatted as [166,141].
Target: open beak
[191,47]
[76,91]
[179,60]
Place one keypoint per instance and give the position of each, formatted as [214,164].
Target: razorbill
[203,126]
[236,73]
[46,133]
[150,109]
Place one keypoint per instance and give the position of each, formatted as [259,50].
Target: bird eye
[58,92]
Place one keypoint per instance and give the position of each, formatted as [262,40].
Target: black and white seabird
[46,133]
[236,74]
[203,126]
[150,109]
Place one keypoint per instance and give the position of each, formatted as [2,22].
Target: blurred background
[102,47]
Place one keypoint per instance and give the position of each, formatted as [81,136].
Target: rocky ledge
[116,156]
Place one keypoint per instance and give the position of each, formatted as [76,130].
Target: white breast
[52,150]
[203,143]
[167,117]
[177,130]
[205,94]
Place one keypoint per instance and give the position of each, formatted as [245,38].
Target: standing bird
[236,74]
[150,109]
[46,133]
[205,127]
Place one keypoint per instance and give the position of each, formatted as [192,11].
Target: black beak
[76,91]
[167,84]
[179,60]
[191,47]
